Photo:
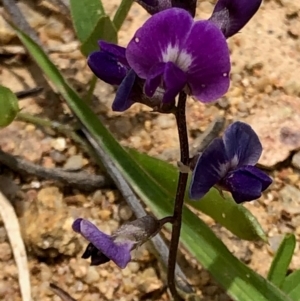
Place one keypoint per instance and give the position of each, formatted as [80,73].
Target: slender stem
[167,219]
[122,13]
[182,181]
[91,89]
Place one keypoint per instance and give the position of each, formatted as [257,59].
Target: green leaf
[241,282]
[121,13]
[103,30]
[85,16]
[291,285]
[225,211]
[282,260]
[9,106]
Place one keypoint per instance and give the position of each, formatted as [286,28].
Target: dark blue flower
[228,163]
[118,246]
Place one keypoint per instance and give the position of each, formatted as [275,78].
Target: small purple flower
[172,51]
[228,163]
[117,247]
[232,15]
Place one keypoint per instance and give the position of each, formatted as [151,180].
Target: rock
[47,225]
[296,160]
[59,144]
[78,199]
[8,187]
[6,32]
[5,253]
[74,163]
[57,157]
[92,275]
[292,7]
[290,199]
[125,212]
[276,126]
[28,145]
[165,121]
[3,289]
[274,243]
[148,281]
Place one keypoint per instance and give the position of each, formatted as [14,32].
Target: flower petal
[208,74]
[119,253]
[232,15]
[115,50]
[242,144]
[174,81]
[210,168]
[107,67]
[154,6]
[246,183]
[158,40]
[122,100]
[97,258]
[154,78]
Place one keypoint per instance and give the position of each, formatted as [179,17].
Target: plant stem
[89,94]
[181,186]
[122,13]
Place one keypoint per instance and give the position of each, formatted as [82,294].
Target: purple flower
[173,52]
[228,163]
[232,15]
[117,247]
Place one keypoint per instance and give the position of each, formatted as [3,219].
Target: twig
[14,234]
[18,18]
[182,181]
[211,132]
[137,208]
[81,180]
[29,93]
[64,296]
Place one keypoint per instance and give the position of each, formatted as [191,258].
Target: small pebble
[125,212]
[74,163]
[5,251]
[296,160]
[59,144]
[92,275]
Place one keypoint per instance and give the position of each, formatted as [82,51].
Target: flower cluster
[172,52]
[169,54]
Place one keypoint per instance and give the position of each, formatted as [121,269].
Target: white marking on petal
[182,59]
[136,40]
[225,74]
[234,161]
[223,169]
